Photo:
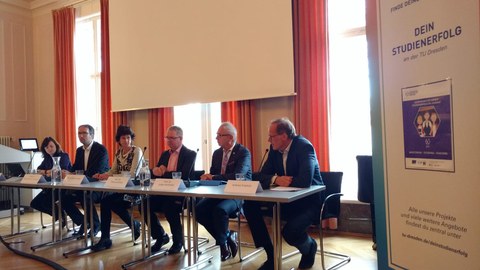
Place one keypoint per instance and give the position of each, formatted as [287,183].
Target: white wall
[16,73]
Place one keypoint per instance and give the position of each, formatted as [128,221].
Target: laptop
[28,144]
[16,170]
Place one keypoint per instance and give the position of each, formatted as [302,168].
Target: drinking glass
[239,176]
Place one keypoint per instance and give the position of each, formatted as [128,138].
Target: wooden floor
[123,251]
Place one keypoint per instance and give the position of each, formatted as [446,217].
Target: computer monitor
[28,144]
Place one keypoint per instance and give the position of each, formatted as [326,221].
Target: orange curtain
[242,114]
[311,75]
[111,120]
[63,32]
[158,122]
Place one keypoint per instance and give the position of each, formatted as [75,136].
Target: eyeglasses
[171,138]
[222,135]
[83,133]
[273,136]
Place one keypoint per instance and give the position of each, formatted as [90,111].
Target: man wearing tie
[178,159]
[92,158]
[291,162]
[231,158]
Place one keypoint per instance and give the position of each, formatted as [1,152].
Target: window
[199,123]
[350,126]
[87,73]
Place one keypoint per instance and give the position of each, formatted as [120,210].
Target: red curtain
[158,122]
[311,75]
[110,120]
[242,114]
[63,32]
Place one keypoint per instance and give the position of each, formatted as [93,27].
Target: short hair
[45,142]
[91,130]
[177,130]
[231,129]
[122,131]
[284,125]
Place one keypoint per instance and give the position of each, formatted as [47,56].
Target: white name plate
[2,177]
[75,180]
[243,187]
[33,179]
[165,184]
[118,182]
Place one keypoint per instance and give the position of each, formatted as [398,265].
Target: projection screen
[174,52]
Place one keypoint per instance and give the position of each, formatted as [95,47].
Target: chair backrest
[197,174]
[333,184]
[365,179]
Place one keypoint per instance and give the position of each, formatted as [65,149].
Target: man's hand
[159,171]
[206,177]
[283,181]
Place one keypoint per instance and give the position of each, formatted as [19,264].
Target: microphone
[30,164]
[138,164]
[189,182]
[263,158]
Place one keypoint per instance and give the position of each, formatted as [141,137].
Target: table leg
[60,238]
[12,214]
[277,237]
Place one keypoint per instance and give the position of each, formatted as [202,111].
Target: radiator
[4,193]
[7,141]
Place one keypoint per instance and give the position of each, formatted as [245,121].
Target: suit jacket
[185,163]
[239,162]
[97,160]
[47,162]
[302,165]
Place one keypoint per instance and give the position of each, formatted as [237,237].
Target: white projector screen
[174,52]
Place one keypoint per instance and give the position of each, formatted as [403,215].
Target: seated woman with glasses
[126,159]
[43,201]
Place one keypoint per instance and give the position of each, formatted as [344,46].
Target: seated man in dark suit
[178,159]
[291,162]
[213,214]
[92,158]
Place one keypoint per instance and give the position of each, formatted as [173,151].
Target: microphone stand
[257,174]
[135,181]
[189,182]
[30,164]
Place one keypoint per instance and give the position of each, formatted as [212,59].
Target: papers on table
[278,188]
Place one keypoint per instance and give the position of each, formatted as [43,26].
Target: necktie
[224,161]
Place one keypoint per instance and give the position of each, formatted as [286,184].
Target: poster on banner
[427,126]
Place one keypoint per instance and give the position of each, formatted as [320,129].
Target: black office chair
[330,208]
[365,189]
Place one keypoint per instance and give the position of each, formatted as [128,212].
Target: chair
[201,240]
[134,200]
[330,208]
[365,189]
[238,216]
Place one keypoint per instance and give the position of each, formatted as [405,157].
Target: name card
[243,187]
[75,180]
[118,182]
[33,179]
[163,184]
[2,177]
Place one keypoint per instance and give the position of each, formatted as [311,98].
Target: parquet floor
[123,251]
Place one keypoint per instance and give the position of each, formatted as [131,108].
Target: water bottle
[145,175]
[56,172]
